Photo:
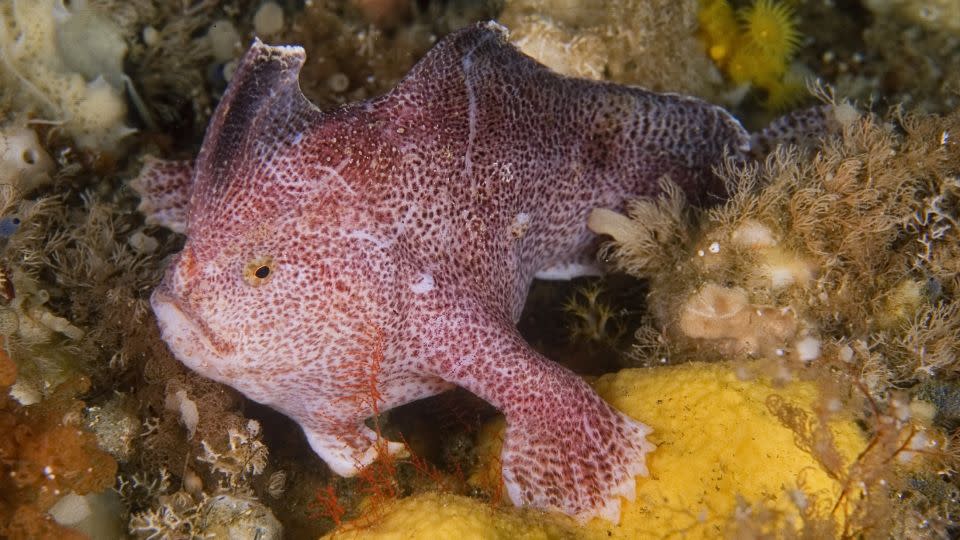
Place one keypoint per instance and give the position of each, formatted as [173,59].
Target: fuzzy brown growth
[858,241]
[812,435]
[864,207]
[650,237]
[870,486]
[43,456]
[859,237]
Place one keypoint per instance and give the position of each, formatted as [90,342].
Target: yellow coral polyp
[771,27]
[719,28]
[749,64]
[754,45]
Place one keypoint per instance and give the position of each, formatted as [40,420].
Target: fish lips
[188,337]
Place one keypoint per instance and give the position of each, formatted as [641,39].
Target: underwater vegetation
[824,292]
[45,454]
[837,265]
[68,64]
[854,240]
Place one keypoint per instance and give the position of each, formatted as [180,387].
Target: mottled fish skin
[165,192]
[401,235]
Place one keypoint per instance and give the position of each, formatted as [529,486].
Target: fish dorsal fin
[442,69]
[262,108]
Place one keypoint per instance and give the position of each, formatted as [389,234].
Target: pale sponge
[725,316]
[718,444]
[24,164]
[65,67]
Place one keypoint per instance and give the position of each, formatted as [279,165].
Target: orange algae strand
[326,504]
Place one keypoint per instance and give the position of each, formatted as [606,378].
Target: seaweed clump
[65,66]
[77,271]
[837,264]
[45,454]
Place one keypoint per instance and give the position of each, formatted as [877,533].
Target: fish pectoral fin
[348,449]
[164,189]
[565,449]
[576,455]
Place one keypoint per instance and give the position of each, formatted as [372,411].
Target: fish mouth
[190,339]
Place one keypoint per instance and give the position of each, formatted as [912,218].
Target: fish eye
[258,270]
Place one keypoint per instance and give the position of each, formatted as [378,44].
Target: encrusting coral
[45,454]
[24,163]
[725,316]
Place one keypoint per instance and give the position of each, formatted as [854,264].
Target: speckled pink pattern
[420,217]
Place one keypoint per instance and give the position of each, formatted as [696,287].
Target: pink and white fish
[414,223]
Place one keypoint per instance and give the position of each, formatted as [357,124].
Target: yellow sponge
[717,441]
[431,516]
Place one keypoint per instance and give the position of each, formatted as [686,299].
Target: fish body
[349,261]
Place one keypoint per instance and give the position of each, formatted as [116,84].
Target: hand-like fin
[565,448]
[164,189]
[348,448]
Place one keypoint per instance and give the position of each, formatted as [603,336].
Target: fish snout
[182,312]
